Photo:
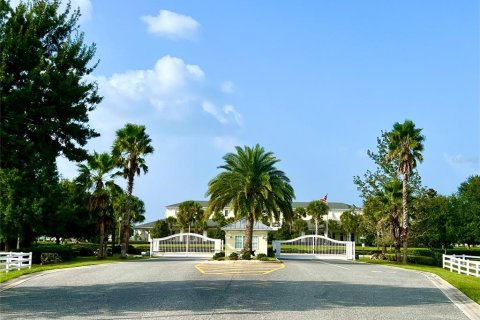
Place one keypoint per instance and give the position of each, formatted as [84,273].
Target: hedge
[65,252]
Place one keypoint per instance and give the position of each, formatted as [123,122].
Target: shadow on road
[203,296]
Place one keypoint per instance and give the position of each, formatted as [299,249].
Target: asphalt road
[174,289]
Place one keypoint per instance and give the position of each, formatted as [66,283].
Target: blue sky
[315,82]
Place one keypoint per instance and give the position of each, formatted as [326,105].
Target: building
[235,237]
[336,209]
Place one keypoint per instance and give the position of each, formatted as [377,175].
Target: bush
[131,249]
[50,258]
[233,256]
[65,252]
[261,255]
[270,252]
[84,249]
[219,255]
[246,255]
[265,258]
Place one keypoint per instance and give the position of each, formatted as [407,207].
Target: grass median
[469,285]
[76,262]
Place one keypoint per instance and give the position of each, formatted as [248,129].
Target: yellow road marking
[257,268]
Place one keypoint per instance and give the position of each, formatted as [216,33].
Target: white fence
[314,247]
[462,264]
[15,261]
[185,245]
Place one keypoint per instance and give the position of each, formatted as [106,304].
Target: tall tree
[350,222]
[189,212]
[392,207]
[405,146]
[45,98]
[317,209]
[299,226]
[466,206]
[96,177]
[130,147]
[253,187]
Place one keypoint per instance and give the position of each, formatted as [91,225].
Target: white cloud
[170,83]
[209,107]
[171,24]
[226,143]
[227,87]
[224,115]
[230,110]
[465,165]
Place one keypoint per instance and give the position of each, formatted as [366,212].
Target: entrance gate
[185,245]
[314,247]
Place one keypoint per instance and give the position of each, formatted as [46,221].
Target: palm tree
[392,201]
[405,146]
[129,148]
[253,187]
[189,212]
[96,177]
[350,222]
[317,209]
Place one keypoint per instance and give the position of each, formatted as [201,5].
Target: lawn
[469,285]
[77,262]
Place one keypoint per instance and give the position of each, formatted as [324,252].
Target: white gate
[185,245]
[314,247]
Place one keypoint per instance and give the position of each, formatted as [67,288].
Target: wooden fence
[15,261]
[462,264]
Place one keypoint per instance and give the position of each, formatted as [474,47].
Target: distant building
[336,209]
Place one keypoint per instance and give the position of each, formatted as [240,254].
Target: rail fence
[15,261]
[462,264]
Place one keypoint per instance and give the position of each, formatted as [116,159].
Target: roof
[240,225]
[148,225]
[295,204]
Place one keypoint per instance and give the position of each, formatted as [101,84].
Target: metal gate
[314,247]
[185,245]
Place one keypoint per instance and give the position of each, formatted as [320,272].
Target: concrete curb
[464,303]
[17,281]
[469,307]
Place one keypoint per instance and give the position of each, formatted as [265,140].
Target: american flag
[324,198]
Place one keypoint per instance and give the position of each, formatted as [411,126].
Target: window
[352,237]
[333,235]
[255,243]
[226,212]
[341,236]
[239,242]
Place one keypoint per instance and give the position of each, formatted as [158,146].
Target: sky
[314,82]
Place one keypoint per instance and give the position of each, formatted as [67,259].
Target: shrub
[65,252]
[261,255]
[219,255]
[270,252]
[84,249]
[265,258]
[233,256]
[246,255]
[50,258]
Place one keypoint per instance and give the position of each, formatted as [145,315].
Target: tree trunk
[247,245]
[114,232]
[101,250]
[126,224]
[405,218]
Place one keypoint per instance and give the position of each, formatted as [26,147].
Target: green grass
[77,262]
[469,285]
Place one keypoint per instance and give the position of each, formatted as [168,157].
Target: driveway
[175,289]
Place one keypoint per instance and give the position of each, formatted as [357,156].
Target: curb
[464,303]
[469,307]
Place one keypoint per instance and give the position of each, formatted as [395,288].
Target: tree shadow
[207,296]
